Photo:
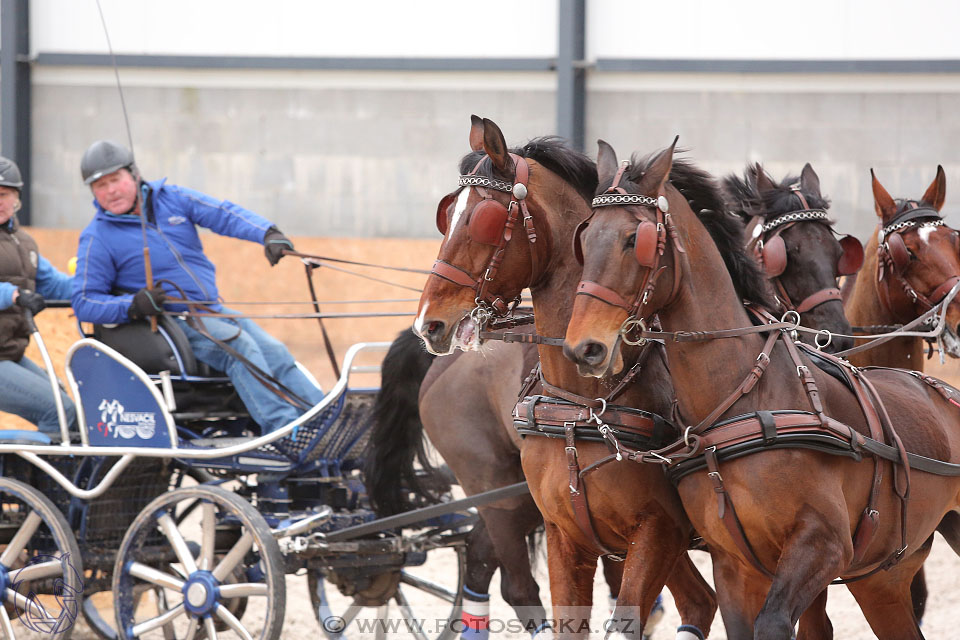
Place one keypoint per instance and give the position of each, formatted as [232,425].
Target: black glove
[274,244]
[147,302]
[31,300]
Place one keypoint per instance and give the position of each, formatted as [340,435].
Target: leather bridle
[893,258]
[770,251]
[490,304]
[650,244]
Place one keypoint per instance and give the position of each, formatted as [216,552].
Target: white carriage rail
[34,453]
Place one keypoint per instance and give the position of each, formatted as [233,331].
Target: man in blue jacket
[109,284]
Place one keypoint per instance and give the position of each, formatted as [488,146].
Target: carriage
[169,517]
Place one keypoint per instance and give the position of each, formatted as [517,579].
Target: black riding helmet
[104,157]
[10,174]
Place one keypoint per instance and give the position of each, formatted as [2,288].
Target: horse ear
[885,206]
[809,181]
[937,191]
[606,162]
[476,133]
[496,147]
[764,183]
[659,172]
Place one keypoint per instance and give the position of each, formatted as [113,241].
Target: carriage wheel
[41,574]
[195,576]
[406,602]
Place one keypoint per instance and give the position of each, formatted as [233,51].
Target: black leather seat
[197,388]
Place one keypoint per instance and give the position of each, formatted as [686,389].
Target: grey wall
[335,162]
[374,162]
[842,135]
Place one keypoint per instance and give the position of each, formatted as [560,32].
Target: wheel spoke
[351,613]
[159,621]
[177,542]
[38,571]
[383,613]
[209,534]
[151,575]
[192,626]
[25,605]
[243,590]
[428,586]
[5,624]
[19,541]
[231,620]
[413,625]
[233,557]
[210,627]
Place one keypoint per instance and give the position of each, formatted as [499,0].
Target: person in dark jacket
[26,280]
[111,287]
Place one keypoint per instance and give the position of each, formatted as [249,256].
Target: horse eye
[631,241]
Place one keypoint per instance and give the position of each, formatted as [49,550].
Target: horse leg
[695,599]
[651,562]
[885,600]
[571,583]
[481,565]
[740,593]
[808,562]
[508,529]
[918,594]
[814,623]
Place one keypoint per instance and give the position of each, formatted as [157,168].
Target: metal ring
[816,339]
[629,325]
[796,324]
[686,436]
[603,408]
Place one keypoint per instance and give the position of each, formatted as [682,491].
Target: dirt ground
[244,275]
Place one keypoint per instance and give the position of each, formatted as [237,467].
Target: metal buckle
[801,369]
[486,274]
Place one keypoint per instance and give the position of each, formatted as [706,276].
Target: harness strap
[728,514]
[578,495]
[820,297]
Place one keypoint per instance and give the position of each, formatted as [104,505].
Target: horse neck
[705,373]
[864,308]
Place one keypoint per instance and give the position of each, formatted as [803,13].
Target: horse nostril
[434,329]
[594,353]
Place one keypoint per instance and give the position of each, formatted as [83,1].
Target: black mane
[727,230]
[554,154]
[745,200]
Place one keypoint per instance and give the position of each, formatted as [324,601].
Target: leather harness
[709,442]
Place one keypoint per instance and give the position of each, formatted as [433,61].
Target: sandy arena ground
[245,276]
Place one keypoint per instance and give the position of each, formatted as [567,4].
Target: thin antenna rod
[116,72]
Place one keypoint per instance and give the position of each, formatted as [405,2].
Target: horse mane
[744,199]
[553,153]
[727,230]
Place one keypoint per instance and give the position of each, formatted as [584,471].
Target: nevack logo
[175,219]
[125,424]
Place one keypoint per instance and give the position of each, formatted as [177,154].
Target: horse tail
[396,439]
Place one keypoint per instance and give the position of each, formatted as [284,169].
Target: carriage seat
[196,386]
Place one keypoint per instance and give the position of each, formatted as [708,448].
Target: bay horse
[794,241]
[912,261]
[509,227]
[798,510]
[879,297]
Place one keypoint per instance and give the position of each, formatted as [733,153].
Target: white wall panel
[361,28]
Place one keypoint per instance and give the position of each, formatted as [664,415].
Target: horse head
[918,256]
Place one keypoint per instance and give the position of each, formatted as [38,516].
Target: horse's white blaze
[418,323]
[458,211]
[925,233]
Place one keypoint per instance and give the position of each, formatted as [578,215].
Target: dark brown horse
[909,269]
[794,240]
[474,434]
[797,509]
[495,246]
